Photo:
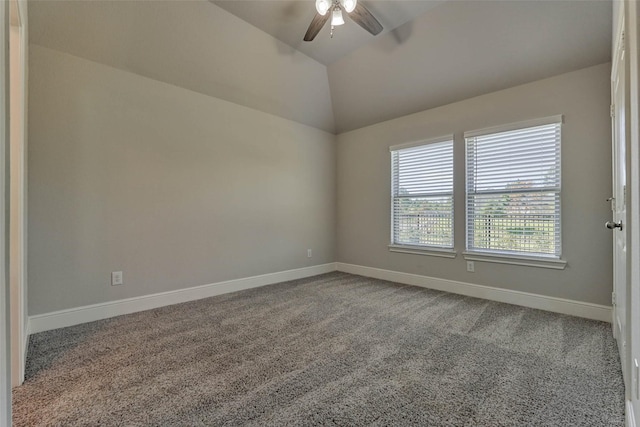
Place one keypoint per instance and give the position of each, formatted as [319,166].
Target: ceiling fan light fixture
[336,17]
[361,16]
[322,6]
[349,5]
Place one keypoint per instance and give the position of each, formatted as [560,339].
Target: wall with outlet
[171,189]
[581,96]
[167,187]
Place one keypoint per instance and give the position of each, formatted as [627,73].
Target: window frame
[438,251]
[553,261]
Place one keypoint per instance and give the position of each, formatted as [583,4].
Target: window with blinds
[513,190]
[422,194]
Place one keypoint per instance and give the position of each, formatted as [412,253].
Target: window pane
[513,191]
[425,169]
[422,195]
[515,222]
[423,221]
[520,158]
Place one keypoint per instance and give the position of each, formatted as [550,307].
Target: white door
[618,202]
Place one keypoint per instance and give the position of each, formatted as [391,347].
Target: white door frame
[631,13]
[17,190]
[5,346]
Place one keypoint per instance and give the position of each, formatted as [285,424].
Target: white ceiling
[463,49]
[288,20]
[433,53]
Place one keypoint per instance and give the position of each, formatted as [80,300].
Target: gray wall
[363,201]
[192,44]
[173,187]
[179,189]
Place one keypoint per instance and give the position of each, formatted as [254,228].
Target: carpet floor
[335,349]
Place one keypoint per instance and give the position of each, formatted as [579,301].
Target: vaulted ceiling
[287,20]
[251,52]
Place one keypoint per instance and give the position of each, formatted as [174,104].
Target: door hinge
[613,298]
[612,111]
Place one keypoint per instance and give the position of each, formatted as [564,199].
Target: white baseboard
[25,347]
[90,313]
[541,302]
[27,332]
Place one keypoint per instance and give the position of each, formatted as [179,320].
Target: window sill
[421,250]
[541,262]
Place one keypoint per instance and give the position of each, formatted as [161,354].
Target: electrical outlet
[309,253]
[471,267]
[116,278]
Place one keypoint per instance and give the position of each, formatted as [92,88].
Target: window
[513,189]
[422,194]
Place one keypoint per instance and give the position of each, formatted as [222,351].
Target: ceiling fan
[333,9]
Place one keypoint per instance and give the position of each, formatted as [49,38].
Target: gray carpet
[335,349]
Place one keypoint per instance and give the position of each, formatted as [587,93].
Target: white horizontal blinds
[422,193]
[513,191]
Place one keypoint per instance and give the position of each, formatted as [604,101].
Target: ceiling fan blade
[316,25]
[365,19]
